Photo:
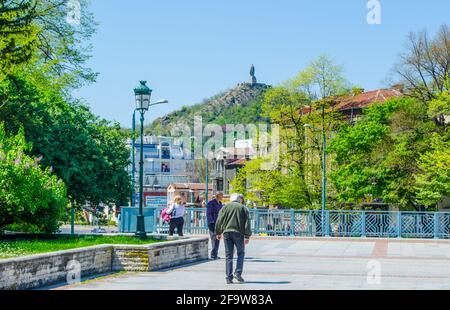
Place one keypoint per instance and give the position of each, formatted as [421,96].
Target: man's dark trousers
[234,239]
[214,242]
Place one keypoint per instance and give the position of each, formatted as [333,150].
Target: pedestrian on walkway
[234,224]
[177,211]
[212,213]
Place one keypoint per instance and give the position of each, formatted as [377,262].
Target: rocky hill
[241,104]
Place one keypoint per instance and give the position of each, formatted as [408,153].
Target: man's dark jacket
[212,211]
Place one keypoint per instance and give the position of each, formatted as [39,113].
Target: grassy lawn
[16,248]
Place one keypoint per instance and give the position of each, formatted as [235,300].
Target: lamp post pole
[133,161]
[140,231]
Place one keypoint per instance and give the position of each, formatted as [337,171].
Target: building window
[165,151]
[219,185]
[165,167]
[149,152]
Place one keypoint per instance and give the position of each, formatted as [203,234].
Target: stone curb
[40,270]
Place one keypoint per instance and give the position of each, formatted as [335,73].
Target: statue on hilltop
[253,80]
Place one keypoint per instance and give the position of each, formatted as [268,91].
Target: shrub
[29,195]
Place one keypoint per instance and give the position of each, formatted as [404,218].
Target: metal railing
[373,224]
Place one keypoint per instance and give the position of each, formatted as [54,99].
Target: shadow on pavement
[84,280]
[262,261]
[267,282]
[183,266]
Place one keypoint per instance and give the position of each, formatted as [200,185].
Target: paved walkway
[306,264]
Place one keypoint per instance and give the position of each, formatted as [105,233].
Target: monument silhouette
[253,79]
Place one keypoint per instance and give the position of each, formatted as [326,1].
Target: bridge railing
[314,223]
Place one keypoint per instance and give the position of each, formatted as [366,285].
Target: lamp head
[142,95]
[161,102]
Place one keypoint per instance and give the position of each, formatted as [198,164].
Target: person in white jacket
[177,211]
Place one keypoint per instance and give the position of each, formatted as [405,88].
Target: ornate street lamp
[142,96]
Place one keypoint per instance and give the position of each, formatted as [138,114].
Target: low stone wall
[46,269]
[179,253]
[130,258]
[160,255]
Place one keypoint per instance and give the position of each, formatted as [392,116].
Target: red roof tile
[366,99]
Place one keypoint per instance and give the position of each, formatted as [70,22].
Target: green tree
[321,79]
[352,147]
[270,186]
[286,108]
[29,195]
[87,153]
[18,34]
[433,177]
[64,35]
[378,156]
[306,99]
[112,176]
[43,33]
[439,107]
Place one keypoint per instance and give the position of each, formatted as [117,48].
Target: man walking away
[212,212]
[234,224]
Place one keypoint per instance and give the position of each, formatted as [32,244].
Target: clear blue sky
[191,50]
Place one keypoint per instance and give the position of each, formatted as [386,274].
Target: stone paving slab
[275,264]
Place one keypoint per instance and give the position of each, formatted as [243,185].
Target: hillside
[239,105]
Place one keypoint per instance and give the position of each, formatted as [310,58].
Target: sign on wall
[156,201]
